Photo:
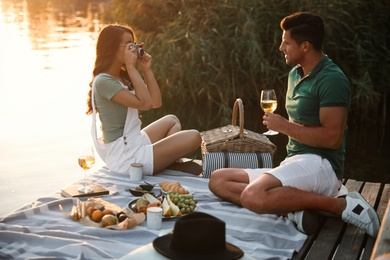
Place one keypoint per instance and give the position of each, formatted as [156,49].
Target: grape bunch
[185,202]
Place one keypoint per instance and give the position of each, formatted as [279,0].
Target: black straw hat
[197,236]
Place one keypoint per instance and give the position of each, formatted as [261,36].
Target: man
[308,180]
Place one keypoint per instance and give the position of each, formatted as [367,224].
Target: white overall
[133,146]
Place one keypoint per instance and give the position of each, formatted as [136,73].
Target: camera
[140,51]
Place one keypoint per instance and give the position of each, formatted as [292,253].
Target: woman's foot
[188,166]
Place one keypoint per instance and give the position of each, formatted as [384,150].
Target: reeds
[208,53]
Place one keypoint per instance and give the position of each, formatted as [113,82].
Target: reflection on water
[47,51]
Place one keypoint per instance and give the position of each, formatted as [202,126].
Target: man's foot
[361,214]
[307,221]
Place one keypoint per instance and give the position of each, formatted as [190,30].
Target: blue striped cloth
[217,160]
[41,230]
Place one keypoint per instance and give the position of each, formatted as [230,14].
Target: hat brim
[162,245]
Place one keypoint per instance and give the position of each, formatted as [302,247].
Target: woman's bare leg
[174,147]
[169,142]
[165,126]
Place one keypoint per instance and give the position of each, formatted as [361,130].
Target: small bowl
[146,187]
[139,193]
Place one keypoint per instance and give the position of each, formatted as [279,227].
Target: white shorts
[307,172]
[121,153]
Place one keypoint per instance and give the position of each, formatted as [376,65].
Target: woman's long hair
[106,48]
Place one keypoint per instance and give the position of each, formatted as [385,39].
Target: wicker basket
[232,138]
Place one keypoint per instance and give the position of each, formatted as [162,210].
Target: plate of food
[184,204]
[98,213]
[176,188]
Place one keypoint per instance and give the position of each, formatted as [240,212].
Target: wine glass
[269,103]
[86,161]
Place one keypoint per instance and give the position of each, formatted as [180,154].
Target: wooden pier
[337,240]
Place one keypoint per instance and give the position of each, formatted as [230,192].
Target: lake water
[45,67]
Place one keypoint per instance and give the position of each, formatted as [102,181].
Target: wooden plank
[380,209]
[309,242]
[350,246]
[327,241]
[305,248]
[382,244]
[354,239]
[371,193]
[384,201]
[353,185]
[336,239]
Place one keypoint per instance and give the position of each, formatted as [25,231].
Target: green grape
[185,202]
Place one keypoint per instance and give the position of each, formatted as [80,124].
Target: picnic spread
[44,228]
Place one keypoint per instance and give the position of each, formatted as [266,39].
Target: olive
[119,213]
[122,217]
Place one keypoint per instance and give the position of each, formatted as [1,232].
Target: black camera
[140,51]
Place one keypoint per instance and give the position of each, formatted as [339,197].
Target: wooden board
[73,192]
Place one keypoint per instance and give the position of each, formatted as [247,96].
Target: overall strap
[93,126]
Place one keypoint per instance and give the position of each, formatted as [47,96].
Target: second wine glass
[86,161]
[269,103]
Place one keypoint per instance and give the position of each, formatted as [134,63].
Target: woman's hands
[147,93]
[131,57]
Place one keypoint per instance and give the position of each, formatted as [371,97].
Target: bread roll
[174,187]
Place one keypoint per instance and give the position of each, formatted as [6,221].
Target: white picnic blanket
[41,230]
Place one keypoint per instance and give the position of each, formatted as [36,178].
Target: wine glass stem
[85,180]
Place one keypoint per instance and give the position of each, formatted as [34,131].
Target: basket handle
[239,105]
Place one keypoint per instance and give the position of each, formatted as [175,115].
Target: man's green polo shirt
[325,86]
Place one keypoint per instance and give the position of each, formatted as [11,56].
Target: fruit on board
[109,220]
[175,209]
[166,208]
[97,215]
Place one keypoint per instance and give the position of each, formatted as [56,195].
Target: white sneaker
[358,212]
[343,191]
[307,221]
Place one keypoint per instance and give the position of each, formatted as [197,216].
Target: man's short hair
[305,26]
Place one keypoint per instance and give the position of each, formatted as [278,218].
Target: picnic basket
[234,146]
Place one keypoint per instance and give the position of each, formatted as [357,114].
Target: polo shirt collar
[316,69]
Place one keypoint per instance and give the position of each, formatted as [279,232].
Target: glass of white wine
[268,103]
[86,161]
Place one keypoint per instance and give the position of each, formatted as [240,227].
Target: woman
[118,91]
